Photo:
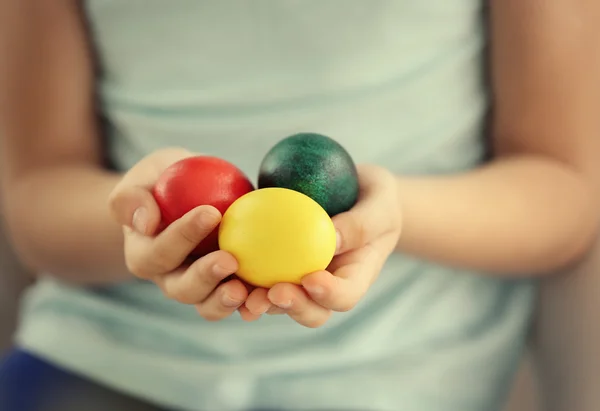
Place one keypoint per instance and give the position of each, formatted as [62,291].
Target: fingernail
[140,220]
[285,304]
[262,311]
[227,301]
[315,290]
[267,310]
[338,242]
[208,218]
[221,271]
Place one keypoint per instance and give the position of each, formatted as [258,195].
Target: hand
[161,256]
[368,234]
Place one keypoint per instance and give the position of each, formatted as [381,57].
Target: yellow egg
[277,235]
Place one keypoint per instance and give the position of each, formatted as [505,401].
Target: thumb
[135,207]
[351,230]
[132,203]
[374,215]
[361,225]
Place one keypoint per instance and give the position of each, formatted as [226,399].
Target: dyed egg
[196,181]
[277,235]
[314,165]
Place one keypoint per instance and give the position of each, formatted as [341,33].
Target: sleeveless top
[399,83]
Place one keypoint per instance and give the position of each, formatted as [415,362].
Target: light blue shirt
[399,83]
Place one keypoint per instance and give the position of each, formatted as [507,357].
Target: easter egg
[277,235]
[314,165]
[196,181]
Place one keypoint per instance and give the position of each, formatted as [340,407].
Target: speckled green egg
[314,165]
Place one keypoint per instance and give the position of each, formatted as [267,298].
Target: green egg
[314,165]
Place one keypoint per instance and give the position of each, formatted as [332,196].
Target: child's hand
[368,235]
[161,257]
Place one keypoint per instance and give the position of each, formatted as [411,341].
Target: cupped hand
[161,255]
[368,234]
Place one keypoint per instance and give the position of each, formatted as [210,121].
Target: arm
[54,188]
[536,207]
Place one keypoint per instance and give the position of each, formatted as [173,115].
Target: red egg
[196,181]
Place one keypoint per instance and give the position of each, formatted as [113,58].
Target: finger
[132,196]
[343,289]
[243,309]
[298,305]
[149,257]
[194,284]
[360,225]
[135,207]
[258,302]
[224,301]
[246,314]
[364,222]
[183,235]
